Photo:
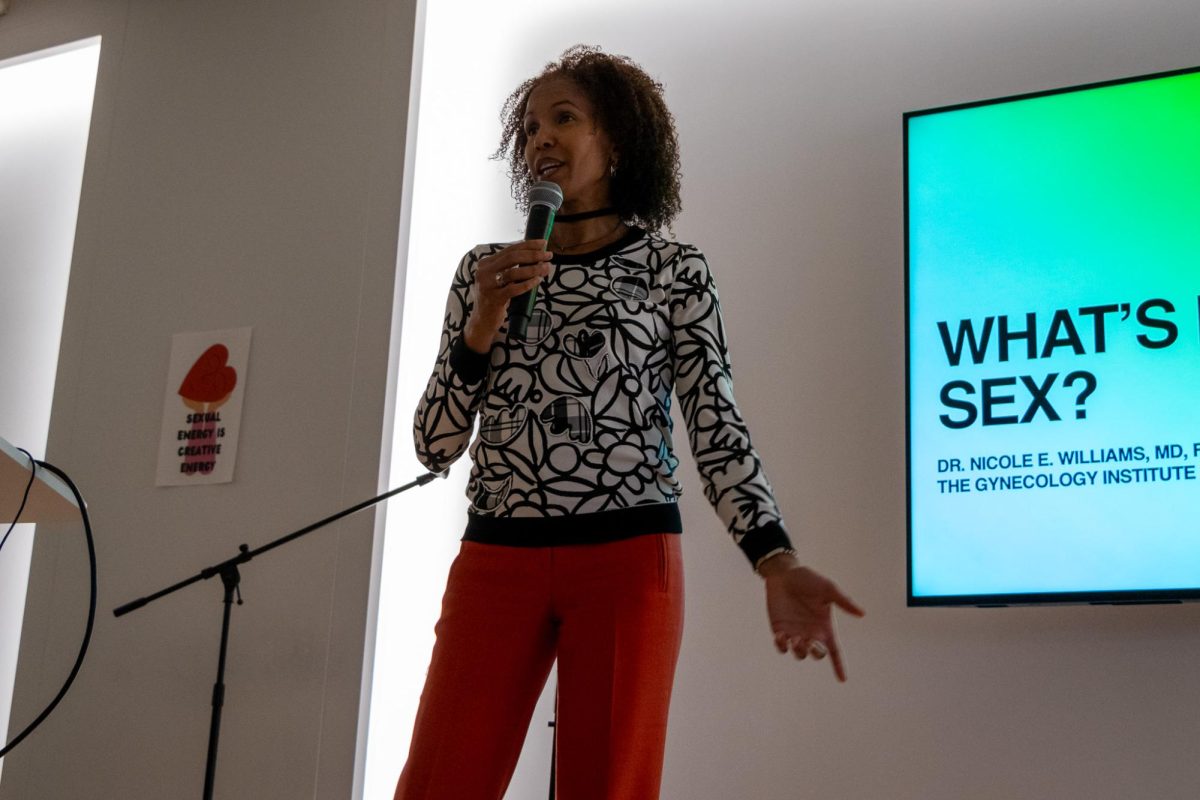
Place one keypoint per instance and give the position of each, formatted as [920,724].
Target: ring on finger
[500,277]
[818,649]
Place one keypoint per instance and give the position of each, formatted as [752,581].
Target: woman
[572,548]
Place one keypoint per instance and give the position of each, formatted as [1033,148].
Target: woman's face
[565,144]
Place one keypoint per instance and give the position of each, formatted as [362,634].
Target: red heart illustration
[210,379]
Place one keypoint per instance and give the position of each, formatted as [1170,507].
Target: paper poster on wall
[202,409]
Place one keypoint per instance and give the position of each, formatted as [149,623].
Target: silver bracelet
[778,551]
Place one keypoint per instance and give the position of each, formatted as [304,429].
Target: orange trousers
[612,614]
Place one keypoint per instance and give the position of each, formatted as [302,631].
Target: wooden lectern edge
[50,500]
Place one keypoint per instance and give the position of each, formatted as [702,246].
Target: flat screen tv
[1052,300]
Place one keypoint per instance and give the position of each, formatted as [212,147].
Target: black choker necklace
[582,215]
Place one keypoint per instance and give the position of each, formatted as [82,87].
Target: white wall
[792,143]
[253,140]
[244,169]
[47,99]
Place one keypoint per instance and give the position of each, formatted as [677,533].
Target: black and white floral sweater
[574,442]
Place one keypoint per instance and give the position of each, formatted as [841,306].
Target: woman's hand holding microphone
[498,279]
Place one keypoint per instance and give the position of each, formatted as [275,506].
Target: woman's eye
[565,117]
[531,130]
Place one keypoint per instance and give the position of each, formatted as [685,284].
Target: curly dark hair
[629,106]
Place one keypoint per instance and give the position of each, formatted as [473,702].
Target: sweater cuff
[468,365]
[762,541]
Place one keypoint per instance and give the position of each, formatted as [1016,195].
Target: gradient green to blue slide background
[1066,200]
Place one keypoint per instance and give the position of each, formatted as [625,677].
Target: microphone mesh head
[546,193]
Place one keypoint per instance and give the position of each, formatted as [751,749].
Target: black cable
[25,499]
[87,634]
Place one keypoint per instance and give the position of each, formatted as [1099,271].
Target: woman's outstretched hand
[800,606]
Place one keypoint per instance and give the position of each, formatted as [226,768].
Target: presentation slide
[1054,343]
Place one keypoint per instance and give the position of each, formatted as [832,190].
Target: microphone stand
[553,725]
[231,580]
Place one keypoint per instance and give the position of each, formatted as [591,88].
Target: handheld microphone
[545,198]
